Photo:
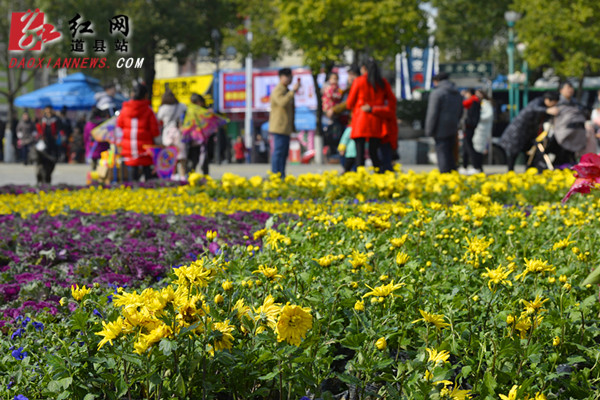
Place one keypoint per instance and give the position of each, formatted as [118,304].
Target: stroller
[561,140]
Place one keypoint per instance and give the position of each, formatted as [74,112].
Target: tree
[561,34]
[16,79]
[324,29]
[157,27]
[472,30]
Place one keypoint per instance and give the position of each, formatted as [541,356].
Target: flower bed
[369,292]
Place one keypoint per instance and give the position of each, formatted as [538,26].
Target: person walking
[444,111]
[198,134]
[170,114]
[482,137]
[370,97]
[46,147]
[140,128]
[93,148]
[281,120]
[25,135]
[520,133]
[471,160]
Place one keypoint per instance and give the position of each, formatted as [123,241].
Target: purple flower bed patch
[43,253]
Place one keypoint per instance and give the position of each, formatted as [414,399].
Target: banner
[165,160]
[265,82]
[232,91]
[182,88]
[418,67]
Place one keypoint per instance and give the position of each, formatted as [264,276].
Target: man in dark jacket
[46,149]
[472,106]
[443,115]
[519,135]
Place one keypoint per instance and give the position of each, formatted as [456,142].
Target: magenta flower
[587,175]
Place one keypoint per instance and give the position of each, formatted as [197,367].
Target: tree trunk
[149,72]
[580,87]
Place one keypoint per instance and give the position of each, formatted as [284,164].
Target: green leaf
[167,346]
[121,387]
[349,379]
[269,376]
[54,386]
[89,396]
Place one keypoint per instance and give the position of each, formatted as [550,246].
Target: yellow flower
[532,307]
[398,242]
[455,393]
[475,298]
[555,341]
[266,315]
[434,319]
[358,259]
[110,331]
[497,276]
[193,275]
[381,343]
[211,235]
[383,290]
[535,266]
[510,319]
[436,357]
[359,305]
[563,243]
[477,252]
[227,286]
[268,272]
[223,337]
[78,293]
[512,394]
[567,286]
[402,258]
[219,299]
[562,279]
[293,324]
[540,396]
[241,309]
[523,326]
[145,341]
[551,279]
[63,301]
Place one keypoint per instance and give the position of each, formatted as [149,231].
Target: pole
[526,84]
[511,68]
[406,76]
[398,85]
[248,116]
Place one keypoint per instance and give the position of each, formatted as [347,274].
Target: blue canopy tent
[75,92]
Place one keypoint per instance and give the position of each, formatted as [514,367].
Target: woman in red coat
[370,99]
[139,126]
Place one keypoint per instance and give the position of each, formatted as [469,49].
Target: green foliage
[472,30]
[560,34]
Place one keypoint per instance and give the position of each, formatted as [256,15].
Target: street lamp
[511,17]
[521,47]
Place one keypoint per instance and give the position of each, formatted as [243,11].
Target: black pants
[386,152]
[44,168]
[444,149]
[201,154]
[468,151]
[136,172]
[349,164]
[374,144]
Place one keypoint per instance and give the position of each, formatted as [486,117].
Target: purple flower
[20,397]
[17,334]
[97,313]
[25,322]
[19,354]
[38,326]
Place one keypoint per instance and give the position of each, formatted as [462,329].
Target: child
[347,149]
[239,150]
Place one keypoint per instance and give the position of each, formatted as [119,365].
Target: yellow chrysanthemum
[535,266]
[534,306]
[455,394]
[399,242]
[223,337]
[194,274]
[266,315]
[110,331]
[381,343]
[78,293]
[359,305]
[268,272]
[294,322]
[402,258]
[145,341]
[563,243]
[436,357]
[497,276]
[435,319]
[383,290]
[512,394]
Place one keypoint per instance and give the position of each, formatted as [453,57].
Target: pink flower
[587,175]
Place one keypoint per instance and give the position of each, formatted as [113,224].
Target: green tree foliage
[158,27]
[324,29]
[561,34]
[472,30]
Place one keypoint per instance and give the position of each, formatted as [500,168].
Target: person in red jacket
[369,99]
[389,140]
[139,126]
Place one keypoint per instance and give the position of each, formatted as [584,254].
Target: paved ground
[75,174]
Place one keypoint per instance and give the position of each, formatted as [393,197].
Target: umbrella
[75,92]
